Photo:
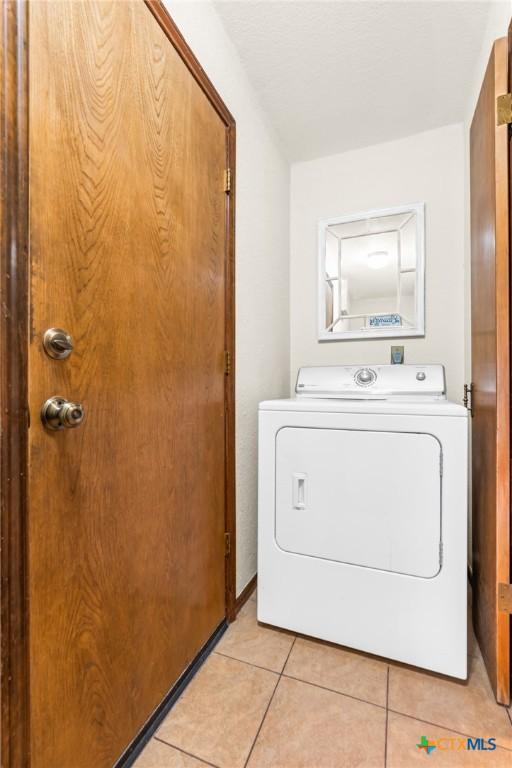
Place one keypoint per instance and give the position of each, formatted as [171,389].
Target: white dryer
[362,535]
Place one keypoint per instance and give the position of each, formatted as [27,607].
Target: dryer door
[365,498]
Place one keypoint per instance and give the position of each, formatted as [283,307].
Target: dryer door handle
[299,490]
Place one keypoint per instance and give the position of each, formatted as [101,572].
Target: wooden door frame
[14,335]
[503,338]
[14,341]
[491,514]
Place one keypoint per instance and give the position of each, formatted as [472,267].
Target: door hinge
[227,544]
[505,598]
[467,400]
[504,109]
[440,554]
[227,362]
[227,181]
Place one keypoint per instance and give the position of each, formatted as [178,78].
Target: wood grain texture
[130,252]
[490,278]
[161,14]
[13,390]
[188,57]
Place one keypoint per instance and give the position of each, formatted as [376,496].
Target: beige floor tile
[219,714]
[249,641]
[308,727]
[341,670]
[158,755]
[468,708]
[404,734]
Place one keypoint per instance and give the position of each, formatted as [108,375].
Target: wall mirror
[371,274]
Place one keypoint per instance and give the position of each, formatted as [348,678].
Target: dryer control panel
[372,382]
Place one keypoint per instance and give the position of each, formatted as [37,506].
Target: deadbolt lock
[59,413]
[57,343]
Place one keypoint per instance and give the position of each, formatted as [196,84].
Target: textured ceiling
[337,75]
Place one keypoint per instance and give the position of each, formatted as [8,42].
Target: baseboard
[246,593]
[133,751]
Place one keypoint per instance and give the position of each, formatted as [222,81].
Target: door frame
[14,341]
[491,399]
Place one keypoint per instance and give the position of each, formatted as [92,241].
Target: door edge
[14,335]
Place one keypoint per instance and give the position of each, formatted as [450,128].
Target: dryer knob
[365,377]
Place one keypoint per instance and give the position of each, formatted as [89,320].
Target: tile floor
[268,699]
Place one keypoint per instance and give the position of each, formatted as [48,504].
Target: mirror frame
[375,333]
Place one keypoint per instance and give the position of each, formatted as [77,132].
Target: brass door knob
[59,413]
[57,343]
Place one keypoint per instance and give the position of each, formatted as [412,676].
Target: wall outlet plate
[397,355]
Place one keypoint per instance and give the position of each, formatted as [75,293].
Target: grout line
[331,690]
[447,727]
[268,705]
[348,695]
[249,663]
[289,654]
[299,679]
[387,721]
[184,751]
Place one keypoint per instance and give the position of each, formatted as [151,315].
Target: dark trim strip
[132,752]
[245,594]
[14,332]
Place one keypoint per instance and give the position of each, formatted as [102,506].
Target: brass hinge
[505,598]
[504,109]
[227,544]
[227,362]
[227,181]
[467,400]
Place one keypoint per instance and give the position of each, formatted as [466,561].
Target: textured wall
[262,257]
[335,76]
[427,167]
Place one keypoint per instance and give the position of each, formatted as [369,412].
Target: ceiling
[338,75]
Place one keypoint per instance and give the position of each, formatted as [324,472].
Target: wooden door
[129,252]
[490,316]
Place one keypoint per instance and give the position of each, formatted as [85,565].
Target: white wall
[427,167]
[262,257]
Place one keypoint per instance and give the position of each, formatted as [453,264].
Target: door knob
[59,413]
[57,343]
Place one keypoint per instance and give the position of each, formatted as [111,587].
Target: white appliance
[363,513]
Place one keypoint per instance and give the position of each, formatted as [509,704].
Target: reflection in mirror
[371,278]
